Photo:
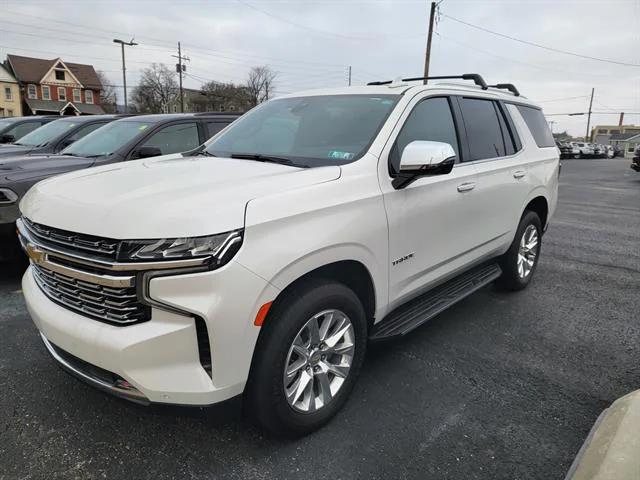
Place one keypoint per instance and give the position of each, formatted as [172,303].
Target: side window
[175,138]
[215,127]
[537,125]
[483,128]
[21,130]
[510,148]
[85,131]
[431,119]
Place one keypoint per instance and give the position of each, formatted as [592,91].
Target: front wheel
[307,358]
[520,262]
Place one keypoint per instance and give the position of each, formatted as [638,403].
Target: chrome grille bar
[119,306]
[102,246]
[27,237]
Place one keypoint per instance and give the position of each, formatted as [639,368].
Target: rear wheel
[520,262]
[307,358]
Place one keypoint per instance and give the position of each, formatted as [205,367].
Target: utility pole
[349,75]
[589,117]
[124,69]
[427,55]
[180,68]
[621,119]
[551,124]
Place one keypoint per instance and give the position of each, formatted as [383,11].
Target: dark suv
[566,151]
[635,161]
[56,136]
[121,140]
[14,128]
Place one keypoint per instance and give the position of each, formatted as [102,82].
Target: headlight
[219,248]
[7,196]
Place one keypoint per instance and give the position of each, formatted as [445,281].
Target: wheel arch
[352,273]
[539,204]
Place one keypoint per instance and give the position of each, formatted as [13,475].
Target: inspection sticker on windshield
[340,155]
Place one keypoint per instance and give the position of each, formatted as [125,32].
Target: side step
[423,308]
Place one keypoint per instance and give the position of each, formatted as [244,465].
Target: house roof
[31,70]
[53,106]
[623,136]
[5,75]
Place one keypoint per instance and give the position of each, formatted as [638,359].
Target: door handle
[519,174]
[465,187]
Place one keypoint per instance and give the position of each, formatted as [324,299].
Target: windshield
[4,124]
[107,139]
[44,134]
[312,131]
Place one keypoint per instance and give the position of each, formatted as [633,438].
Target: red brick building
[56,87]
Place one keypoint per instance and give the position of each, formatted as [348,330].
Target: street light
[124,70]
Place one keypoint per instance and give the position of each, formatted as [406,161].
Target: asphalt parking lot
[502,386]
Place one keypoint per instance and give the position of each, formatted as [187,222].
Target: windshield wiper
[267,158]
[205,153]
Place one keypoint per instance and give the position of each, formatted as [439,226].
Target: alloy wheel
[318,361]
[528,251]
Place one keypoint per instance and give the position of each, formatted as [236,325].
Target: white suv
[266,261]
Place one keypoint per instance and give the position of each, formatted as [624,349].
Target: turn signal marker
[262,314]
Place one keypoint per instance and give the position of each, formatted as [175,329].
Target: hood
[158,198]
[9,149]
[17,168]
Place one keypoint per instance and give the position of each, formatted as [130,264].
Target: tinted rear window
[483,129]
[537,126]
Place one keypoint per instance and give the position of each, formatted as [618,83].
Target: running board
[423,308]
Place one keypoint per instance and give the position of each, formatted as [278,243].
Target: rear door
[215,126]
[501,164]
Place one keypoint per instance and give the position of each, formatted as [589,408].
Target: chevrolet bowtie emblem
[34,253]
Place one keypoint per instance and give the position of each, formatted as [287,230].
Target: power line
[559,99]
[169,44]
[72,55]
[513,60]
[585,113]
[533,44]
[299,25]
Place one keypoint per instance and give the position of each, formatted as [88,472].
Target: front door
[430,232]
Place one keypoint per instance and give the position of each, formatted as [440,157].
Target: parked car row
[75,143]
[586,150]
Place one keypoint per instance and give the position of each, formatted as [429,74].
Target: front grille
[119,306]
[98,246]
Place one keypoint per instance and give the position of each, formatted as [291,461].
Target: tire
[266,400]
[517,276]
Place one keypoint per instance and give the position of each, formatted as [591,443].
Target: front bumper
[159,358]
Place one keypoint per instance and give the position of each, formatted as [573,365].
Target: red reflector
[262,314]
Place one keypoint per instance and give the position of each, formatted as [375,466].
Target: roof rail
[506,86]
[477,79]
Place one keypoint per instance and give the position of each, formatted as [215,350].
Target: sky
[311,44]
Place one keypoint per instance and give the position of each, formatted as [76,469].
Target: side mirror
[146,152]
[7,138]
[424,158]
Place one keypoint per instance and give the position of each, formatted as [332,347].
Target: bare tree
[260,84]
[108,97]
[218,96]
[156,90]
